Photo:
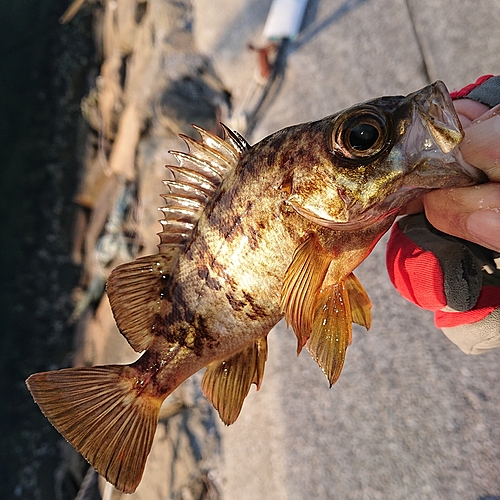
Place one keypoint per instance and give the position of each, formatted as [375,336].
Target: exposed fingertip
[484,226]
[468,110]
[481,146]
[445,211]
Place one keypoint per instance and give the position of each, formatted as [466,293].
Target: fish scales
[226,268]
[251,235]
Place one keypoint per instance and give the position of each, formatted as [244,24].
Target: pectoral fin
[302,281]
[226,383]
[332,330]
[360,302]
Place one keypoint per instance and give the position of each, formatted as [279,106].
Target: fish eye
[361,134]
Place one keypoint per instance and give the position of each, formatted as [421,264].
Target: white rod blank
[284,19]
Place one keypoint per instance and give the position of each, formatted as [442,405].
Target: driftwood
[71,11]
[153,84]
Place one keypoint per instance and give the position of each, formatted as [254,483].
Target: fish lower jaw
[361,221]
[365,220]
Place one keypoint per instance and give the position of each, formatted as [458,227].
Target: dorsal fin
[200,150]
[195,180]
[236,140]
[301,284]
[225,148]
[226,383]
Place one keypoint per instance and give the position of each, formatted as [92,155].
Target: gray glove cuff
[465,265]
[487,93]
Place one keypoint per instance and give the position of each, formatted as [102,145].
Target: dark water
[43,68]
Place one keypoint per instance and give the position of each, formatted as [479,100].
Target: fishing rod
[282,26]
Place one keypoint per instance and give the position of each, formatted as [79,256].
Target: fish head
[380,155]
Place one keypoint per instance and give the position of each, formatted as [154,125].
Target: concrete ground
[411,416]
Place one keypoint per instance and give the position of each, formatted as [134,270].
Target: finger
[414,207]
[481,146]
[468,110]
[488,114]
[471,213]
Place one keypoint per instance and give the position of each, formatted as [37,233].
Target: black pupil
[363,136]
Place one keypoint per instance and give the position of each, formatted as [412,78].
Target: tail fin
[102,414]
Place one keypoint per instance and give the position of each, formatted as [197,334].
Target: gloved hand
[457,279]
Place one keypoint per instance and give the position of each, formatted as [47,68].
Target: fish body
[252,234]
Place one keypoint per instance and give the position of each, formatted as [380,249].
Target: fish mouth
[432,143]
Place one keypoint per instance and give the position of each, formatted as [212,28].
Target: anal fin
[102,414]
[226,383]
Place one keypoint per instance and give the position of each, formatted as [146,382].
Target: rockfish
[251,234]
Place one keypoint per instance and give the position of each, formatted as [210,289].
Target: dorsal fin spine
[194,181]
[178,214]
[222,146]
[178,226]
[205,153]
[191,178]
[236,140]
[171,248]
[195,164]
[182,201]
[184,189]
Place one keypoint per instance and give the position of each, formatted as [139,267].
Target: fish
[252,234]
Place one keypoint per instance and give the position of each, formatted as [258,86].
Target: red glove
[457,279]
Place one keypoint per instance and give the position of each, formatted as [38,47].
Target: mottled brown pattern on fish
[234,227]
[261,228]
[236,304]
[249,219]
